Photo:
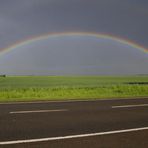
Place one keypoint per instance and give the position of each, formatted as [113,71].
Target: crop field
[33,88]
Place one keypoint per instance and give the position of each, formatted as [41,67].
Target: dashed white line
[37,111]
[72,136]
[130,106]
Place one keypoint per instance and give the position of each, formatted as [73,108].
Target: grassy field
[30,88]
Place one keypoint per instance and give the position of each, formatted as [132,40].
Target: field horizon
[45,88]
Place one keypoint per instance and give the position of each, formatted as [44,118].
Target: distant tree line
[3,75]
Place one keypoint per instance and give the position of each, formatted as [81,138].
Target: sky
[22,19]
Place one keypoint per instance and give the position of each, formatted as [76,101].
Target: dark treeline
[2,75]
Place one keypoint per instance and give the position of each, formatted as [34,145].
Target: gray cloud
[32,17]
[20,19]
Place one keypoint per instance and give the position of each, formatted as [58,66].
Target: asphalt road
[89,124]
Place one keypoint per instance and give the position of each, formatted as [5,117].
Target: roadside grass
[33,88]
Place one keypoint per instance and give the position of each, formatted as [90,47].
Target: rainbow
[89,34]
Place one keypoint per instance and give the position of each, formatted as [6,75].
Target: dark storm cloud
[20,19]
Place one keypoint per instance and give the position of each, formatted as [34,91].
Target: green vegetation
[29,88]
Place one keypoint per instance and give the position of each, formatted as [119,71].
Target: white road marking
[73,136]
[37,111]
[130,106]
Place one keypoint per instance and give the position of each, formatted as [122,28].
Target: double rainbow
[88,34]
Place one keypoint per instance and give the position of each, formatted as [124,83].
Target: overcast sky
[20,19]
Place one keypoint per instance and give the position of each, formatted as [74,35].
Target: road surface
[70,124]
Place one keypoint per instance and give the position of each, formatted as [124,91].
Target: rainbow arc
[89,34]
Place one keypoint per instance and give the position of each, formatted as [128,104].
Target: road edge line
[72,136]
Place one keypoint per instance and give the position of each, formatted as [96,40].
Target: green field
[32,88]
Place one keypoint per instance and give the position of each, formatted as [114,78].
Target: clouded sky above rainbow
[20,20]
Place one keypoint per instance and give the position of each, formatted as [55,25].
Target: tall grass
[56,88]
